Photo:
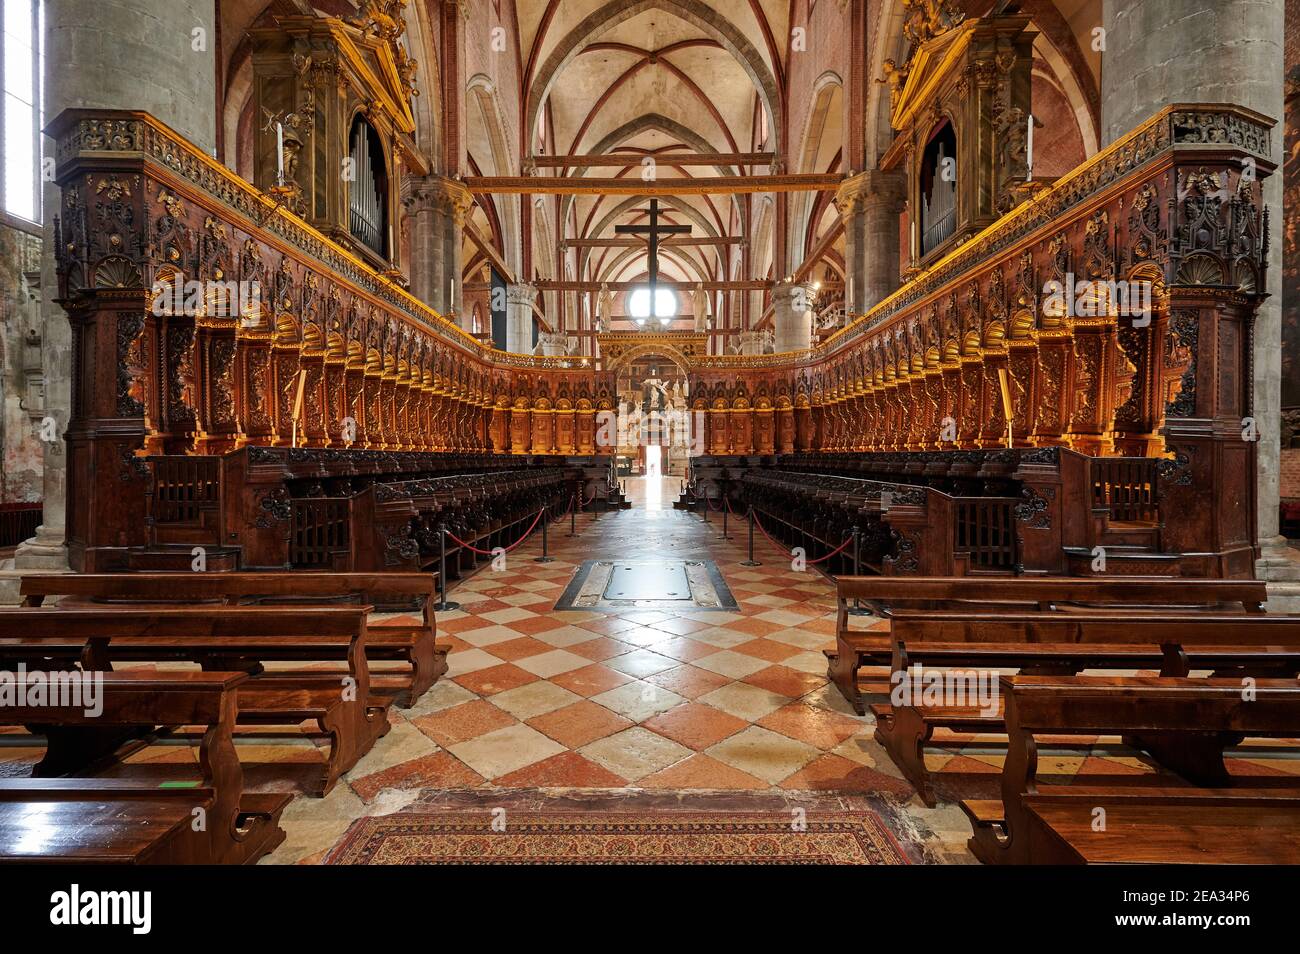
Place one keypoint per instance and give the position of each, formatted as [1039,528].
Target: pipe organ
[367,194]
[971,81]
[339,92]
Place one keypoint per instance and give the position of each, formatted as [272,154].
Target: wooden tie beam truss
[712,185]
[546,284]
[674,240]
[629,160]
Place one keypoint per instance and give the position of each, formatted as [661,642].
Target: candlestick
[279,154]
[1029,151]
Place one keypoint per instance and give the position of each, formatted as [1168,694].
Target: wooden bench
[1063,644]
[413,644]
[1254,821]
[130,821]
[994,596]
[341,705]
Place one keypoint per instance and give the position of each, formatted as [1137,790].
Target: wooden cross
[654,230]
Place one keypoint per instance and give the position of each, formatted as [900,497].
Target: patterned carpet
[691,832]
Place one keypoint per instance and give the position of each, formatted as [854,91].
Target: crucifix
[654,230]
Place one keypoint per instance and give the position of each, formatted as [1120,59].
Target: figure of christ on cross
[654,230]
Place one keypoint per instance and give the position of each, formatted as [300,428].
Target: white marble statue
[700,305]
[604,307]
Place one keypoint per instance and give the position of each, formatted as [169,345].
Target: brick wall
[1290,479]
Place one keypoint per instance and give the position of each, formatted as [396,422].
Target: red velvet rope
[474,549]
[779,545]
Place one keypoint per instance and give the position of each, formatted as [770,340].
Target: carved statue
[604,305]
[380,18]
[656,385]
[926,19]
[896,77]
[407,66]
[700,306]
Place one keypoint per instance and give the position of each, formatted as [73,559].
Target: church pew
[1251,644]
[341,705]
[413,644]
[994,596]
[398,524]
[1216,819]
[903,528]
[130,821]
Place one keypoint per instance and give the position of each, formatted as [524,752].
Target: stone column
[752,342]
[1163,51]
[437,206]
[456,203]
[792,315]
[870,203]
[428,282]
[153,55]
[555,344]
[519,317]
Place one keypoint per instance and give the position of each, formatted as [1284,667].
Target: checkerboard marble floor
[643,703]
[700,700]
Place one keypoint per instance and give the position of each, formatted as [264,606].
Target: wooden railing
[1126,487]
[183,487]
[985,529]
[318,531]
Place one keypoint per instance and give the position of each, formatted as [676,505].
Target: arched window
[22,47]
[638,305]
[938,188]
[368,196]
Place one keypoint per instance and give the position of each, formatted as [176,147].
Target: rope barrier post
[544,558]
[857,609]
[443,606]
[726,507]
[573,516]
[751,561]
[706,503]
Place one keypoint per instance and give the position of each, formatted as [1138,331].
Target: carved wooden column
[354,399]
[500,428]
[586,427]
[1022,358]
[312,430]
[785,426]
[217,426]
[334,398]
[543,421]
[1207,486]
[764,428]
[388,403]
[993,426]
[285,363]
[520,426]
[256,402]
[1091,388]
[803,424]
[107,479]
[371,400]
[719,438]
[424,424]
[566,438]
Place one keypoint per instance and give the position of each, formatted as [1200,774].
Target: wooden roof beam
[714,185]
[630,160]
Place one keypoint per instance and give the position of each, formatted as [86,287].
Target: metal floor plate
[615,586]
[648,581]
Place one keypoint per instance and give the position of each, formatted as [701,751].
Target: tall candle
[279,154]
[451,295]
[1029,151]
